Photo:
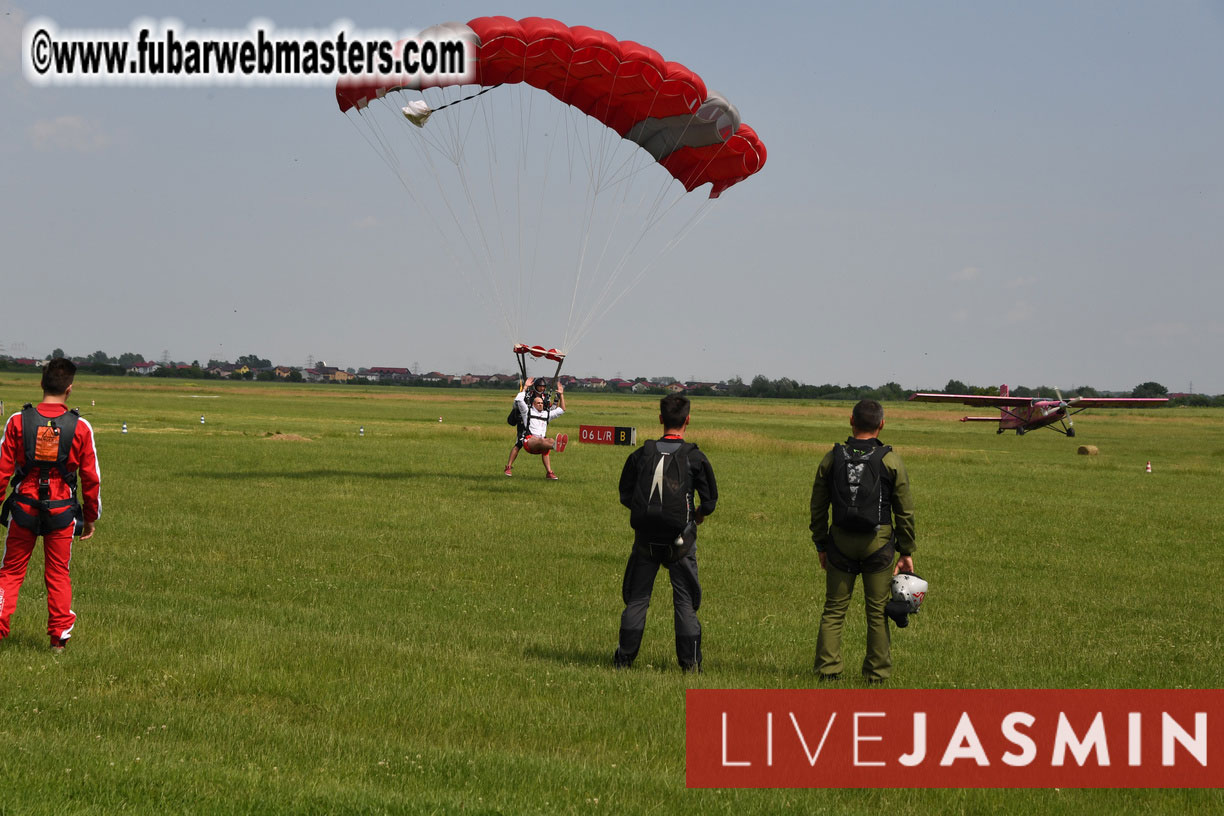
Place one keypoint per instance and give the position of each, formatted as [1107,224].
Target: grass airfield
[279,615]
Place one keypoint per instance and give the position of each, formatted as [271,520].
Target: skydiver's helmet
[540,389]
[908,592]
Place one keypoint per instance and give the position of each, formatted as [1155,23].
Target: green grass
[279,616]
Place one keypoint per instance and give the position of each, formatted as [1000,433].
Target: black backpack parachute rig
[661,506]
[521,351]
[47,444]
[860,493]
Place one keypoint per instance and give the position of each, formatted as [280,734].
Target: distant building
[326,373]
[388,373]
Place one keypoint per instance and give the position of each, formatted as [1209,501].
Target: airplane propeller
[1068,423]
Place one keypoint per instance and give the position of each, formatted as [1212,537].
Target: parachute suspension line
[616,207]
[634,157]
[377,141]
[579,146]
[483,120]
[530,240]
[600,157]
[458,129]
[559,121]
[633,164]
[512,314]
[449,143]
[519,164]
[526,273]
[601,304]
[587,151]
[610,278]
[635,161]
[616,221]
[597,163]
[594,317]
[653,216]
[382,145]
[598,146]
[375,136]
[567,113]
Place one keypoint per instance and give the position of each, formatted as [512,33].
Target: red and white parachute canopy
[558,175]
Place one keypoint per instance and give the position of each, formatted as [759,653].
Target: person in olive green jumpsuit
[845,554]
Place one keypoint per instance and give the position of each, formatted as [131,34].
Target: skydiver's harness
[47,443]
[525,427]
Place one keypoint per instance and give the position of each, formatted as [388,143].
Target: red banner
[946,738]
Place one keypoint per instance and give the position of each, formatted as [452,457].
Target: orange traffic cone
[1149,467]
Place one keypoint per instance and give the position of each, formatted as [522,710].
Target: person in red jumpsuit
[55,494]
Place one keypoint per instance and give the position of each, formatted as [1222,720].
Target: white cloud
[367,223]
[1020,312]
[1165,331]
[73,133]
[969,273]
[1021,282]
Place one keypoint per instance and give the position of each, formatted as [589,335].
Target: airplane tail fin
[1008,417]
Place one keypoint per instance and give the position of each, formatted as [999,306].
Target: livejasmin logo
[955,738]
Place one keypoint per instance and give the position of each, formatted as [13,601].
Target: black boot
[630,642]
[688,652]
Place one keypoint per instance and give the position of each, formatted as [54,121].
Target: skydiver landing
[540,390]
[536,416]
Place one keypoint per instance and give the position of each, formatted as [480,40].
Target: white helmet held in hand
[908,591]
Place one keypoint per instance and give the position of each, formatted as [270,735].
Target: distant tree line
[1145,390]
[760,387]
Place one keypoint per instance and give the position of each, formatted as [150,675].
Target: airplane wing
[973,399]
[1116,402]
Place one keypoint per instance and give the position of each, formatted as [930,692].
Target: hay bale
[287,437]
[1088,450]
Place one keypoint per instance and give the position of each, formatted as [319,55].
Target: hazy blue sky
[1023,192]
